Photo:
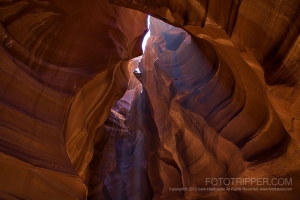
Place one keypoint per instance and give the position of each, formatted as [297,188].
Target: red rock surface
[217,97]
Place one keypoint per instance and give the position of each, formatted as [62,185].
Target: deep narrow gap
[147,35]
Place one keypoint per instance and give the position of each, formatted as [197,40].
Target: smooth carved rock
[215,85]
[220,100]
[52,53]
[269,32]
[184,109]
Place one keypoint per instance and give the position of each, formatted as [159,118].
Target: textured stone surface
[218,98]
[57,58]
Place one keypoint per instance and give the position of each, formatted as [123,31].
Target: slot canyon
[209,109]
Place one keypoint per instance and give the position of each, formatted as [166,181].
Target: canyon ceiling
[85,114]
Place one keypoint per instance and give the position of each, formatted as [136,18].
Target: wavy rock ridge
[218,100]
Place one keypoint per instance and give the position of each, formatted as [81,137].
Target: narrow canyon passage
[207,107]
[184,120]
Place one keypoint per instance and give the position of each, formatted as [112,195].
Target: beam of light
[147,35]
[137,70]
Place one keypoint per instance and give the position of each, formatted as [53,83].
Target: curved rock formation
[52,54]
[219,101]
[194,87]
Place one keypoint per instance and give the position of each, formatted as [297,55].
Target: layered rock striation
[214,96]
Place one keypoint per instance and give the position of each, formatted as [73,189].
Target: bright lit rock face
[218,98]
